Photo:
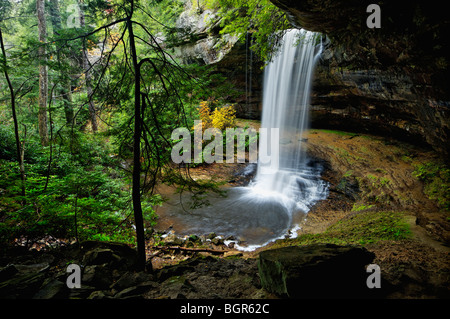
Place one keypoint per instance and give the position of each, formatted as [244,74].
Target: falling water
[287,87]
[265,210]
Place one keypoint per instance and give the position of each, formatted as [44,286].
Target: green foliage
[261,19]
[360,207]
[161,16]
[342,133]
[7,144]
[436,177]
[371,227]
[8,150]
[85,195]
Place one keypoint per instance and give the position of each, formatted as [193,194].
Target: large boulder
[116,255]
[315,271]
[21,281]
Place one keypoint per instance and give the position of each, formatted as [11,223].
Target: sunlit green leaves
[261,19]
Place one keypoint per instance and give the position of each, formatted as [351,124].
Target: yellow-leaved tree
[221,118]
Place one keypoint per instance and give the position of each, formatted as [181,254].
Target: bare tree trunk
[20,147]
[87,73]
[43,74]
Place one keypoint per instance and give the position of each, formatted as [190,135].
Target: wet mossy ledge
[358,228]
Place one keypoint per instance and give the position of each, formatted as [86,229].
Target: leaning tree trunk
[43,73]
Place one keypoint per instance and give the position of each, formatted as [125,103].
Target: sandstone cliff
[392,80]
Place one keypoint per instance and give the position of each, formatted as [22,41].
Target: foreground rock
[315,271]
[42,275]
[108,272]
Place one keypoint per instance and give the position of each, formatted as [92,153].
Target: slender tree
[136,192]
[19,146]
[43,73]
[149,79]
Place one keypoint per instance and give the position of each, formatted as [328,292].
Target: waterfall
[278,198]
[286,98]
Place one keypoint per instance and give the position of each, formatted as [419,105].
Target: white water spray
[287,86]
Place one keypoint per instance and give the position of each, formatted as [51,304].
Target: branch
[93,32]
[4,19]
[207,250]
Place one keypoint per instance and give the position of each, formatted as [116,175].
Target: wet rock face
[244,70]
[393,80]
[198,40]
[379,102]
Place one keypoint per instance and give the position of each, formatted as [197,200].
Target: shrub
[205,115]
[7,144]
[436,178]
[221,117]
[8,150]
[87,196]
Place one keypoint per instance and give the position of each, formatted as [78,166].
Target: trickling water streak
[248,68]
[251,69]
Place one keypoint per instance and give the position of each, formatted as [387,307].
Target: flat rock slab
[316,271]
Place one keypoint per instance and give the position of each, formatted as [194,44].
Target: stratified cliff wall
[391,80]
